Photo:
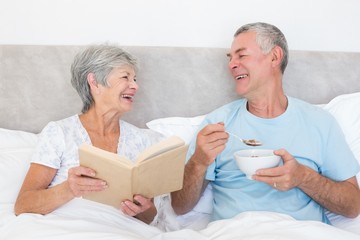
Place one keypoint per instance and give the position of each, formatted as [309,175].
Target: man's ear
[94,86]
[277,55]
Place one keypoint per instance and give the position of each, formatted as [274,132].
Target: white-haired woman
[105,78]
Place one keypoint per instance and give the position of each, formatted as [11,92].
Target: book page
[103,154]
[119,181]
[161,174]
[112,168]
[159,169]
[160,147]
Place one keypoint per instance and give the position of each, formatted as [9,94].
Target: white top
[59,141]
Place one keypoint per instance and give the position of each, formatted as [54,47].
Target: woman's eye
[135,79]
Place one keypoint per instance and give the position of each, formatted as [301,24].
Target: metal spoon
[250,142]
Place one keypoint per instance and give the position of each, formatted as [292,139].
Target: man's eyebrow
[237,51]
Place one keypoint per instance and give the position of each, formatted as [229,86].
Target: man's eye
[135,79]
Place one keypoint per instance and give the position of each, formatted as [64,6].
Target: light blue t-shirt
[306,131]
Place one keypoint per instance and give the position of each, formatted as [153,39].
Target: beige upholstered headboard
[173,81]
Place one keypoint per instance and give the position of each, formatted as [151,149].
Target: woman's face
[120,93]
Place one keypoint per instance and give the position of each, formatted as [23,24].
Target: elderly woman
[104,76]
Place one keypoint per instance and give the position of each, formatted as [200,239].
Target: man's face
[249,66]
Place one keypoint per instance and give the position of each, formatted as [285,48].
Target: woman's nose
[133,84]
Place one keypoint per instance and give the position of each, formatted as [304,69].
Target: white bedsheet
[85,220]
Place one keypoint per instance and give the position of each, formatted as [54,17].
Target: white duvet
[85,220]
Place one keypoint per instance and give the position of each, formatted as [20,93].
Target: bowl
[250,160]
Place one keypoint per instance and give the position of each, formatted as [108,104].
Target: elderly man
[318,170]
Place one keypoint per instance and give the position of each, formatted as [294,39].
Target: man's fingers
[211,128]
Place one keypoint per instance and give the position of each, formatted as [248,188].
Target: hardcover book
[159,169]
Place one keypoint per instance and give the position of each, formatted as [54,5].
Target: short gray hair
[99,60]
[267,37]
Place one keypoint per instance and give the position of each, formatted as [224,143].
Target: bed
[178,87]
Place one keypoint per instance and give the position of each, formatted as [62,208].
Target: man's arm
[194,184]
[210,142]
[339,197]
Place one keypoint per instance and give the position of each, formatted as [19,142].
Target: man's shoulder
[311,111]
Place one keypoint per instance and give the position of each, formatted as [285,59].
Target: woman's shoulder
[68,124]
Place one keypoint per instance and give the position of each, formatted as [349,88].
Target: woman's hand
[82,180]
[139,205]
[142,208]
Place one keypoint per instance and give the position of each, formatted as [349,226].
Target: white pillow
[16,148]
[183,127]
[346,109]
[14,164]
[16,139]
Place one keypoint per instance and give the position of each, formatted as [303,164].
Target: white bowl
[250,160]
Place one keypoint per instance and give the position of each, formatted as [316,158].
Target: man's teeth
[241,76]
[127,96]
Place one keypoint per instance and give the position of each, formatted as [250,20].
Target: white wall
[329,25]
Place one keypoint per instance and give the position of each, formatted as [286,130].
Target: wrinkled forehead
[243,42]
[125,68]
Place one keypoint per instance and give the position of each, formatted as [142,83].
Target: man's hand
[341,197]
[284,177]
[210,142]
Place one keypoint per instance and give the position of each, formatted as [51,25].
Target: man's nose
[233,64]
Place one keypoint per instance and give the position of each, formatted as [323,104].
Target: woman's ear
[277,56]
[94,86]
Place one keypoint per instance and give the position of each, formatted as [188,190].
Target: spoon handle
[235,136]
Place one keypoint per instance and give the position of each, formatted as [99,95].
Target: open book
[158,169]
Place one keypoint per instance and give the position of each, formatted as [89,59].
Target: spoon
[250,142]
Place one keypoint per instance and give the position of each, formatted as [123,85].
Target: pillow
[182,127]
[13,168]
[346,109]
[16,148]
[16,139]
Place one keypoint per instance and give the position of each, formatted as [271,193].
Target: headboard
[173,81]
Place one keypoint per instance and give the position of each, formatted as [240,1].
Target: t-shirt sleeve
[210,175]
[339,162]
[50,147]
